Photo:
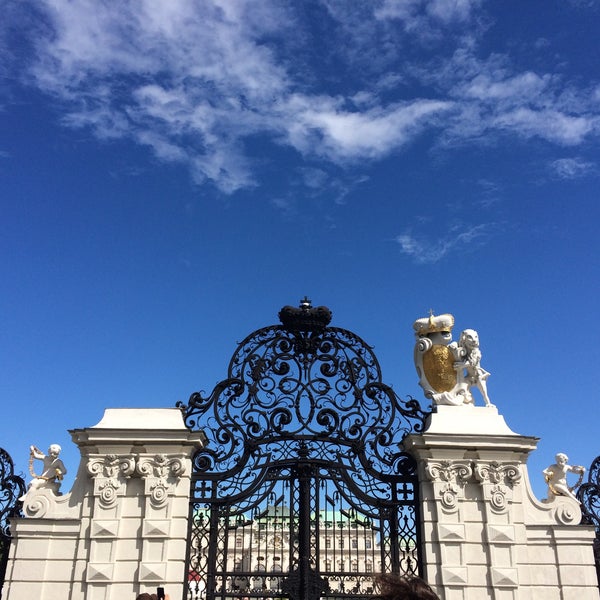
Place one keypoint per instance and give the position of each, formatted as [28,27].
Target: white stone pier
[486,535]
[122,529]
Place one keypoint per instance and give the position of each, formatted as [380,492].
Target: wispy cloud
[572,168]
[198,82]
[424,250]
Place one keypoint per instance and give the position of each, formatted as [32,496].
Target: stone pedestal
[123,528]
[486,535]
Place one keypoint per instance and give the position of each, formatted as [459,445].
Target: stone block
[475,554]
[500,534]
[471,511]
[130,527]
[452,554]
[538,554]
[501,556]
[478,576]
[27,570]
[176,548]
[153,550]
[474,532]
[581,593]
[179,527]
[579,554]
[503,577]
[102,551]
[105,528]
[156,528]
[454,575]
[538,575]
[152,572]
[127,549]
[127,570]
[450,532]
[577,575]
[100,572]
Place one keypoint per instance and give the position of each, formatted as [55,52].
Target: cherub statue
[448,370]
[54,468]
[468,364]
[556,477]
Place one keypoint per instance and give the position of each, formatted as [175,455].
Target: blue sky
[173,173]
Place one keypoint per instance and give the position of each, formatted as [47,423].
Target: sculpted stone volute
[449,478]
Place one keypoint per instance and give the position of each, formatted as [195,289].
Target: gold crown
[433,324]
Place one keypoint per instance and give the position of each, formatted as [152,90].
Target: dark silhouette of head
[396,587]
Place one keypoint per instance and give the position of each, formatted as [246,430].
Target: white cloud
[412,11]
[549,124]
[518,88]
[572,168]
[342,135]
[427,251]
[197,82]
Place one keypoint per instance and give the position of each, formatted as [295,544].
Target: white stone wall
[487,536]
[123,527]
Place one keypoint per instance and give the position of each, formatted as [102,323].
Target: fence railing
[589,496]
[12,487]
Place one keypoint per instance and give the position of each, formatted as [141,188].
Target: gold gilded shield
[438,367]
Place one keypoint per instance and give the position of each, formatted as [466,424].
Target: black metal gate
[303,490]
[12,487]
[589,496]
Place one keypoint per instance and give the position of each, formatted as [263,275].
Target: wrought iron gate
[302,491]
[12,487]
[589,496]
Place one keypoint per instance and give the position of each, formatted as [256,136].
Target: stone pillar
[482,526]
[123,528]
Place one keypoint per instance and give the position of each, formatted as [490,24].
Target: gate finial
[305,317]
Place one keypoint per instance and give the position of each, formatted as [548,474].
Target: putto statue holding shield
[448,370]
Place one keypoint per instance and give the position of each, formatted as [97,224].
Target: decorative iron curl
[589,496]
[322,383]
[12,487]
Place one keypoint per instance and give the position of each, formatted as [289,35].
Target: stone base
[468,419]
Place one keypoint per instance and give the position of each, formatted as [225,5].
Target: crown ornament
[305,318]
[433,324]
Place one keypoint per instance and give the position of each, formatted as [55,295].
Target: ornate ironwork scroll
[12,487]
[589,496]
[303,490]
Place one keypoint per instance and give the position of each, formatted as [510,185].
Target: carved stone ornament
[160,472]
[556,478]
[53,469]
[109,473]
[160,465]
[448,370]
[111,466]
[449,477]
[498,479]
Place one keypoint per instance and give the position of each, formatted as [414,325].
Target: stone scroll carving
[498,480]
[449,477]
[109,473]
[159,472]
